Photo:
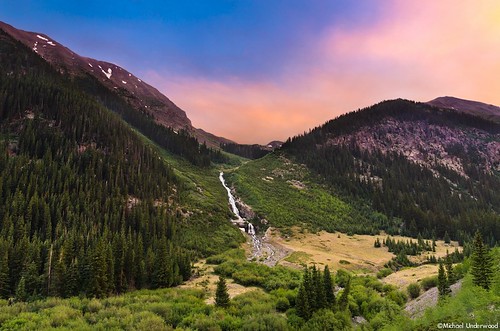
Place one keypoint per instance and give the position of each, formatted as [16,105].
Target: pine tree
[450,274]
[328,284]
[221,295]
[302,303]
[21,294]
[482,265]
[446,238]
[4,275]
[443,286]
[319,289]
[344,297]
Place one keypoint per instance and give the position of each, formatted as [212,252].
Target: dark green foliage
[343,302]
[410,192]
[221,294]
[446,238]
[302,303]
[87,208]
[328,284]
[384,273]
[450,273]
[413,290]
[429,282]
[481,265]
[247,151]
[442,282]
[315,292]
[177,142]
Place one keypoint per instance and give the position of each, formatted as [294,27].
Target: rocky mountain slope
[404,167]
[140,95]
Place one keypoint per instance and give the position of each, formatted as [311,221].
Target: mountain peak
[484,110]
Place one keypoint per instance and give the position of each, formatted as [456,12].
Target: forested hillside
[87,207]
[433,171]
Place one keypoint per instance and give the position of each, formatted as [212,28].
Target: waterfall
[251,229]
[240,221]
[232,202]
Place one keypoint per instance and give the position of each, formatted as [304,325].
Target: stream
[262,249]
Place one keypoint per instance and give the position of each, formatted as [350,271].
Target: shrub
[428,282]
[398,297]
[342,277]
[282,304]
[384,273]
[413,290]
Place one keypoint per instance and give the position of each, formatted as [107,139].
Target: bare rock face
[428,144]
[245,210]
[142,96]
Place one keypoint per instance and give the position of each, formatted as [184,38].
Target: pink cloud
[418,50]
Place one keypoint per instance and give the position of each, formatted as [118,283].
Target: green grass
[206,227]
[298,257]
[287,194]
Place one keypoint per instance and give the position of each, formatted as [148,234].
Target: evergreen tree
[344,297]
[482,264]
[450,274]
[328,284]
[319,289]
[446,238]
[21,294]
[4,275]
[221,294]
[443,285]
[302,303]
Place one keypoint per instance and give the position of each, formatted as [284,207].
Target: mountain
[400,166]
[89,205]
[489,112]
[141,96]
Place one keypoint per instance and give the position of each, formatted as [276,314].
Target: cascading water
[240,222]
[232,202]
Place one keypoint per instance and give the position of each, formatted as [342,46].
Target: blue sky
[248,39]
[256,71]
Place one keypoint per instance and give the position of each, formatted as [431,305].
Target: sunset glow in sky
[256,71]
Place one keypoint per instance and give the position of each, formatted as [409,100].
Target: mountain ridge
[484,110]
[140,95]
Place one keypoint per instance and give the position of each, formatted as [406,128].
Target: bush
[384,273]
[413,290]
[342,277]
[398,297]
[428,282]
[282,304]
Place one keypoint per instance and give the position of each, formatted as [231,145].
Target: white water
[232,202]
[257,244]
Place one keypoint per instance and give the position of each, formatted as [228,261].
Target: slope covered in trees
[421,198]
[87,207]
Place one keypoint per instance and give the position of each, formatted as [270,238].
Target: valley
[117,213]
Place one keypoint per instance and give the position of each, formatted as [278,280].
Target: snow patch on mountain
[43,38]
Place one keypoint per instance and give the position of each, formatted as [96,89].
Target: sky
[260,70]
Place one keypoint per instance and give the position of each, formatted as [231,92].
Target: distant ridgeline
[247,151]
[353,154]
[86,206]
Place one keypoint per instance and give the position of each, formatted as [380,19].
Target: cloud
[415,50]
